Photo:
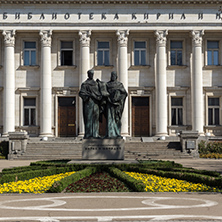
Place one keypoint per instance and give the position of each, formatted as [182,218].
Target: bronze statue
[114,106]
[91,97]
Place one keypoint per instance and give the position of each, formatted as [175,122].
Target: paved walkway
[111,207]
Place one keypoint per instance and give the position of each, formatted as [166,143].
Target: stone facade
[168,54]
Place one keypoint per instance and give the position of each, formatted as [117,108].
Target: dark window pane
[136,58]
[209,57]
[173,57]
[176,44]
[33,122]
[176,101]
[180,116]
[216,117]
[213,102]
[30,45]
[216,58]
[106,58]
[100,58]
[140,45]
[173,117]
[33,58]
[179,58]
[66,45]
[29,101]
[140,101]
[213,44]
[67,101]
[26,58]
[210,116]
[103,45]
[143,57]
[26,117]
[66,58]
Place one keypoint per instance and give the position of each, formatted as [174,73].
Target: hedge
[60,186]
[36,173]
[135,185]
[191,177]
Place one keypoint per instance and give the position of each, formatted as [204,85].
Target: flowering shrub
[35,185]
[205,147]
[162,184]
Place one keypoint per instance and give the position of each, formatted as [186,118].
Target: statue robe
[91,97]
[114,108]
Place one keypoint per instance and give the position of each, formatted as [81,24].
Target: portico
[167,56]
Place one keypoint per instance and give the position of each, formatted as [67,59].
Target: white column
[123,75]
[84,67]
[9,83]
[161,86]
[197,82]
[46,85]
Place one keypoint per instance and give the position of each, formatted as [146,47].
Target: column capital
[85,37]
[122,37]
[161,37]
[46,37]
[197,37]
[9,38]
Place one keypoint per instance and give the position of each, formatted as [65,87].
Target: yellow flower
[35,185]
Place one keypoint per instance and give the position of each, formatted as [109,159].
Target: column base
[161,134]
[5,135]
[46,135]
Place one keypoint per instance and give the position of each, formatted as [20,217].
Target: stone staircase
[72,149]
[154,150]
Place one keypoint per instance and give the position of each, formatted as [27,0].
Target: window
[213,111]
[139,53]
[29,53]
[176,111]
[66,53]
[176,52]
[213,53]
[103,53]
[29,111]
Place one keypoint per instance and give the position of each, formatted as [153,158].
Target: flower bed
[97,182]
[36,185]
[161,184]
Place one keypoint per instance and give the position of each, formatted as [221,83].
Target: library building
[167,54]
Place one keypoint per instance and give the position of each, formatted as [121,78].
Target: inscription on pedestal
[103,149]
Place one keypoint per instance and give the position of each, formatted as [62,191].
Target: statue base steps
[103,149]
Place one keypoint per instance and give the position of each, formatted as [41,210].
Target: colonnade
[122,39]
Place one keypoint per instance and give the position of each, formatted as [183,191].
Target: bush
[59,186]
[4,148]
[210,147]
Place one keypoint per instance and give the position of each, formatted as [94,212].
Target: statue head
[90,73]
[113,76]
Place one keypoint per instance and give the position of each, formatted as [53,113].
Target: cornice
[110,2]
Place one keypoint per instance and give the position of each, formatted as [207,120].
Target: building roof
[110,1]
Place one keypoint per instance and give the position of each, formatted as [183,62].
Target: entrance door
[67,117]
[140,116]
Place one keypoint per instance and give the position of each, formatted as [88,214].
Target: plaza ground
[114,206]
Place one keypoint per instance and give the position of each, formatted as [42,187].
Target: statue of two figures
[102,98]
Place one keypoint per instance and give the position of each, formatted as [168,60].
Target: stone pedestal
[103,149]
[189,142]
[17,143]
